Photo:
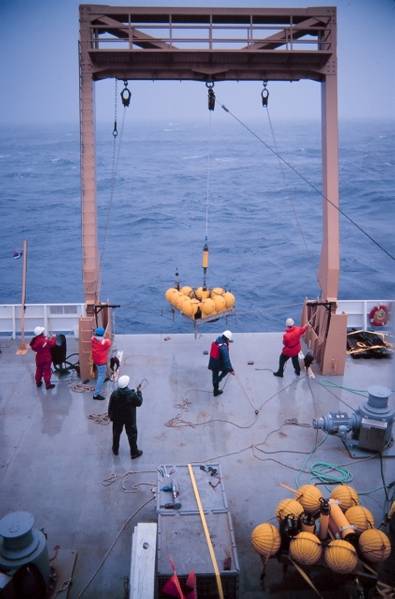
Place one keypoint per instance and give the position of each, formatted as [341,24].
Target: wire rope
[310,183]
[298,223]
[82,592]
[208,178]
[116,150]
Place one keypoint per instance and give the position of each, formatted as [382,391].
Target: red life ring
[378,316]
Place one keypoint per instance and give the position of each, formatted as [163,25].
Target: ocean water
[170,182]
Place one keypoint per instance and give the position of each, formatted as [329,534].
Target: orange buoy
[346,496]
[170,293]
[360,517]
[288,507]
[309,496]
[207,307]
[265,539]
[217,291]
[305,548]
[201,293]
[340,556]
[374,544]
[230,300]
[186,290]
[219,302]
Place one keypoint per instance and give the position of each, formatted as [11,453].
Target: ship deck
[56,460]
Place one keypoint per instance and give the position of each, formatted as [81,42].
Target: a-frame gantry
[216,44]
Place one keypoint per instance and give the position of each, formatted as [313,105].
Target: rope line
[208,179]
[330,473]
[82,592]
[298,223]
[116,150]
[306,180]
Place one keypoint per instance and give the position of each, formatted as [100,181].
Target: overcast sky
[39,49]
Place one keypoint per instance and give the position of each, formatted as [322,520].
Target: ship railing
[358,312]
[64,318]
[56,318]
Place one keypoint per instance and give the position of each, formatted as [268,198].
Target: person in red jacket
[292,347]
[100,349]
[42,346]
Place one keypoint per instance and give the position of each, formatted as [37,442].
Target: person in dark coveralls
[292,347]
[219,363]
[42,346]
[122,412]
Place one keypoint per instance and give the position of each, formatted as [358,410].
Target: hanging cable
[116,149]
[289,165]
[210,86]
[115,129]
[265,104]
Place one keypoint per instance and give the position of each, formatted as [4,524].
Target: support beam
[328,275]
[88,165]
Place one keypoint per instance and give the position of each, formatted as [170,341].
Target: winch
[370,425]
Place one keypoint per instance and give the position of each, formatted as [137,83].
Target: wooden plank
[142,567]
[63,564]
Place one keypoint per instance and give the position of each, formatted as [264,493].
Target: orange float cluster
[337,532]
[201,303]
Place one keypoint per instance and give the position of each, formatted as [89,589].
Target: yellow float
[265,539]
[346,496]
[200,303]
[341,557]
[309,496]
[305,548]
[374,545]
[360,517]
[203,303]
[288,507]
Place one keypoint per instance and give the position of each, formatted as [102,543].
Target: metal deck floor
[54,458]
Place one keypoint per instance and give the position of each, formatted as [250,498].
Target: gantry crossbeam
[203,43]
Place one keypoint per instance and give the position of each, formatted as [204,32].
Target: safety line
[284,180]
[206,533]
[114,173]
[208,180]
[308,182]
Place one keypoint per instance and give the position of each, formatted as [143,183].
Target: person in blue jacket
[219,363]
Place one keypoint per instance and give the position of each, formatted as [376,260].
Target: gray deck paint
[53,458]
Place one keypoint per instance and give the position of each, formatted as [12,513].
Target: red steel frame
[218,44]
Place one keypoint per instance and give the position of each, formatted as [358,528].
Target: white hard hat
[228,335]
[123,381]
[289,322]
[39,331]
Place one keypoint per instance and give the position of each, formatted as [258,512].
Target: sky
[39,46]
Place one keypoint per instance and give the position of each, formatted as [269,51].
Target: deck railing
[56,318]
[64,318]
[358,312]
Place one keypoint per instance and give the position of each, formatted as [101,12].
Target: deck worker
[219,362]
[42,346]
[100,350]
[122,413]
[292,347]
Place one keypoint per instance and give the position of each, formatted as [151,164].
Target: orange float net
[201,303]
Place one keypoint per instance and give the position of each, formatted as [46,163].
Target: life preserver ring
[378,316]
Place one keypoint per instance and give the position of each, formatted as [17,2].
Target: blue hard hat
[99,331]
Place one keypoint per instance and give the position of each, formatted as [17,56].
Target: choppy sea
[164,185]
